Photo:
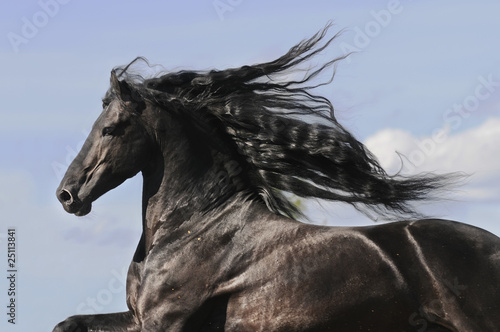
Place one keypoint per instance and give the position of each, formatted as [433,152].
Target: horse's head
[116,149]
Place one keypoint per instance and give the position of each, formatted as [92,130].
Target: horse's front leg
[121,321]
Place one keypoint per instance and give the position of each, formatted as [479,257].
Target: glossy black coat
[214,257]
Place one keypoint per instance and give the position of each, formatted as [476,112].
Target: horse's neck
[164,212]
[180,184]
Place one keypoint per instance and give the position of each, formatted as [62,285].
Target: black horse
[220,152]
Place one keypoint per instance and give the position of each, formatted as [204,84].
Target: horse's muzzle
[72,204]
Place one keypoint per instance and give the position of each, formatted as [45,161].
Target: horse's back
[400,276]
[465,260]
[453,267]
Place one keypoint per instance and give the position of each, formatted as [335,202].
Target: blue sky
[424,81]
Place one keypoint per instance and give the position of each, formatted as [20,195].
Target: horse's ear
[126,93]
[121,88]
[115,84]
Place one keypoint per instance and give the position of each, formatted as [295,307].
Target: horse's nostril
[65,197]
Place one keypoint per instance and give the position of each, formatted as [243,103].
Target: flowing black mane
[284,137]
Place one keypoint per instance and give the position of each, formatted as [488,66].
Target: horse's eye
[108,131]
[106,102]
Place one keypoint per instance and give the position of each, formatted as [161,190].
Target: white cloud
[475,152]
